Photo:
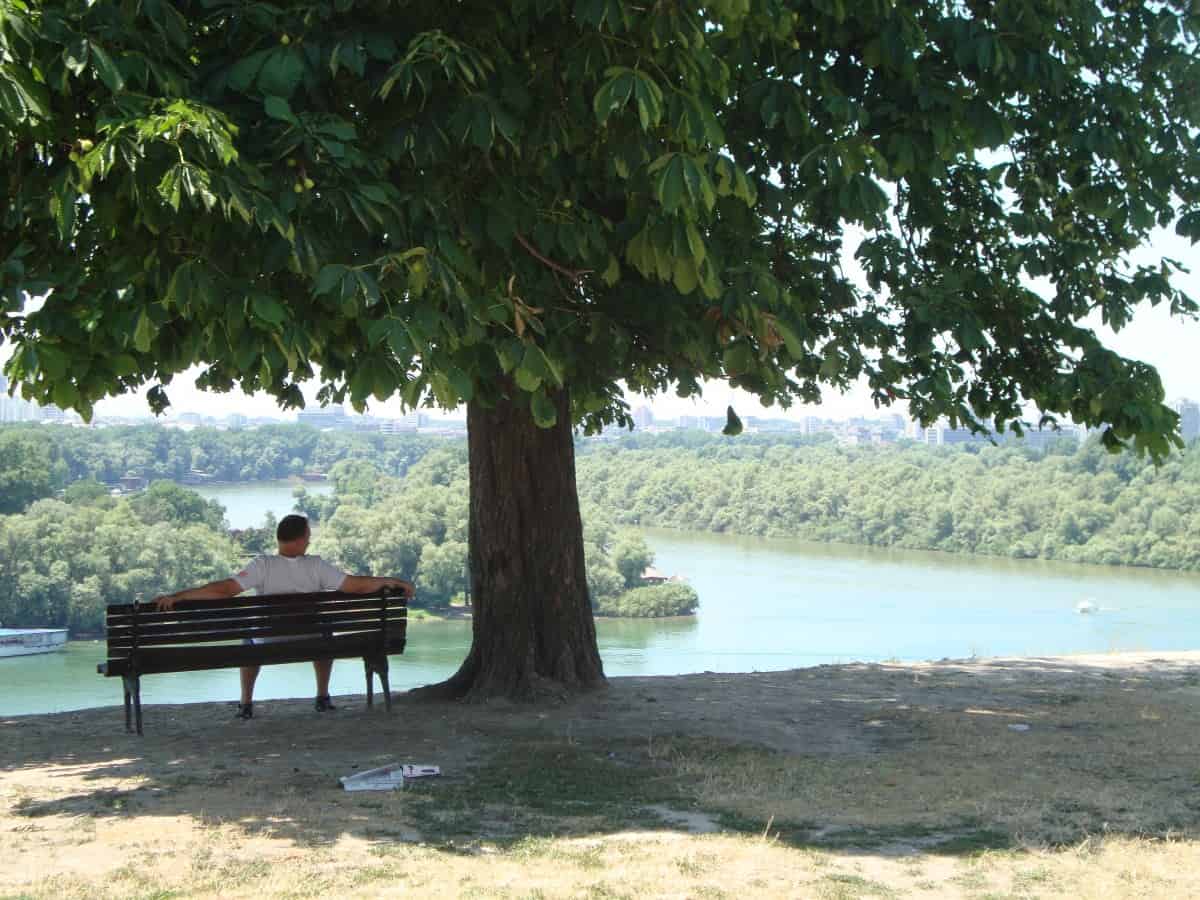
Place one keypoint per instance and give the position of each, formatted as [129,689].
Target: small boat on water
[24,641]
[1087,607]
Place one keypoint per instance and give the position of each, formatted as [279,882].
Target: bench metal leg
[133,691]
[378,665]
[128,708]
[383,681]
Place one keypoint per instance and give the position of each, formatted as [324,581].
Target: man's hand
[405,588]
[165,602]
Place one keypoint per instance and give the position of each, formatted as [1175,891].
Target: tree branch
[575,275]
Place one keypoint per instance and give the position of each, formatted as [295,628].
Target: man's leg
[249,676]
[323,668]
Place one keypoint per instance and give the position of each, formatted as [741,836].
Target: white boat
[24,641]
[1086,607]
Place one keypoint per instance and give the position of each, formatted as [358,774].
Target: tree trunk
[532,631]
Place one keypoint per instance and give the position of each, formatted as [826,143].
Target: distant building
[655,576]
[1040,438]
[235,421]
[1189,419]
[942,435]
[643,417]
[327,417]
[14,409]
[407,424]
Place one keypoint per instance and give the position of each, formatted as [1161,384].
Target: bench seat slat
[249,631]
[190,659]
[120,609]
[272,618]
[222,609]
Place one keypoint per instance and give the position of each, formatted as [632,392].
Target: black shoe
[324,704]
[245,711]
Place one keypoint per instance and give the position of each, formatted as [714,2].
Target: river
[246,505]
[764,605]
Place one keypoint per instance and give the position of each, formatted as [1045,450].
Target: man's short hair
[290,528]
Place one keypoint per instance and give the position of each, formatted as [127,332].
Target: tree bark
[533,633]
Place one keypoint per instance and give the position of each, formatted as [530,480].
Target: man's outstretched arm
[366,584]
[214,590]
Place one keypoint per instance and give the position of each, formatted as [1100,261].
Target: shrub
[653,601]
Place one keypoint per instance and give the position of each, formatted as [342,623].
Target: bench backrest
[347,624]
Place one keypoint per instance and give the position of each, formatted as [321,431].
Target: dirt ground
[904,769]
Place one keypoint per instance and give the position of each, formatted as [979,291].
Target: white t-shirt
[290,575]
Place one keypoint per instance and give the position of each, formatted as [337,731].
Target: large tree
[524,205]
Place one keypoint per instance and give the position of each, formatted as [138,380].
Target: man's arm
[366,584]
[214,590]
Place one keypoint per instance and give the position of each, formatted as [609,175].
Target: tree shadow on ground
[880,758]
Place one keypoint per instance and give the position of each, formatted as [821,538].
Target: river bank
[892,776]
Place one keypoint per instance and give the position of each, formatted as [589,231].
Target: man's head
[292,535]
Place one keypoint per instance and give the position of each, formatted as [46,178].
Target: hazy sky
[1169,344]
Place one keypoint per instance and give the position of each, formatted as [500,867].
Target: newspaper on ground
[387,778]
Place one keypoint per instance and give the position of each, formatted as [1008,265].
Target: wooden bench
[208,634]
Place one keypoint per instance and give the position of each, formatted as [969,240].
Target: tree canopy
[457,201]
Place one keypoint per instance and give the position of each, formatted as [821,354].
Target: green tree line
[62,560]
[405,513]
[1078,504]
[36,460]
[416,526]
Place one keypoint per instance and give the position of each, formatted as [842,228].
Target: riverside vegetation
[400,505]
[63,559]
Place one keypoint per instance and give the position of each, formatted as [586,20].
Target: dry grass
[923,792]
[1055,783]
[634,864]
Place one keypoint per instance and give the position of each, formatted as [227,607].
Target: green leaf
[462,383]
[685,276]
[269,309]
[790,339]
[542,407]
[509,354]
[281,72]
[106,68]
[279,108]
[143,334]
[613,94]
[244,71]
[670,188]
[53,362]
[737,358]
[327,279]
[123,364]
[64,394]
[171,186]
[612,272]
[649,101]
[526,379]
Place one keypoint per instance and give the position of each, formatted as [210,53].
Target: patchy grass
[934,798]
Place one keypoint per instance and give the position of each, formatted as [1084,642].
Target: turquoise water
[246,505]
[764,605]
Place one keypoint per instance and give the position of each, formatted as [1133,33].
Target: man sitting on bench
[289,572]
